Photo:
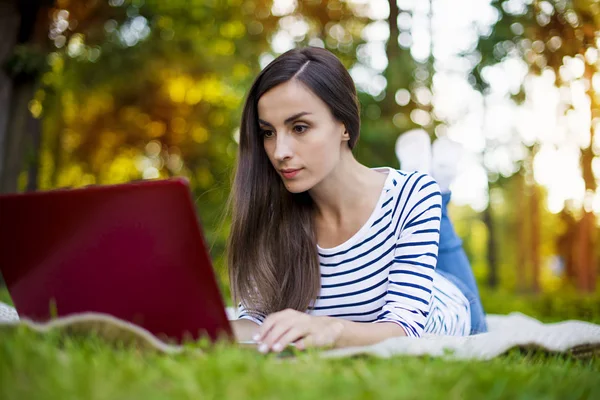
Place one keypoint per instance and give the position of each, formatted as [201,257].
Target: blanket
[575,338]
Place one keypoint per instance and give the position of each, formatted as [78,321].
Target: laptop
[134,251]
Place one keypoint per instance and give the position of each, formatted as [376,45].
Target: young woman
[324,251]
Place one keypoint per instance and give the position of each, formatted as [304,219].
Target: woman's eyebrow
[288,120]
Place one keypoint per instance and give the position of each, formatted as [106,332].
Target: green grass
[51,367]
[48,367]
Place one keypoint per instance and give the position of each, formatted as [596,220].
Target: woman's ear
[345,135]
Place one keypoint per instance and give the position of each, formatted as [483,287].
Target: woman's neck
[349,188]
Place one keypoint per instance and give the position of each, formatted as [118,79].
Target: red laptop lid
[134,251]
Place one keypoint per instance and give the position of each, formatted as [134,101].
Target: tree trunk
[35,129]
[586,241]
[586,267]
[534,201]
[522,265]
[491,246]
[31,29]
[586,244]
[9,27]
[55,144]
[392,51]
[17,139]
[565,246]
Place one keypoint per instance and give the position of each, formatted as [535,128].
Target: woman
[324,251]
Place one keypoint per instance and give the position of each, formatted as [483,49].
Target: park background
[110,91]
[106,92]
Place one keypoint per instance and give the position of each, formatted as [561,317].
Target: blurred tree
[134,89]
[389,114]
[162,97]
[340,27]
[144,89]
[406,75]
[486,52]
[576,24]
[547,35]
[523,249]
[23,27]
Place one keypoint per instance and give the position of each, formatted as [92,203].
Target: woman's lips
[290,173]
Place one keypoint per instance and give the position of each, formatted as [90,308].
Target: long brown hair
[272,250]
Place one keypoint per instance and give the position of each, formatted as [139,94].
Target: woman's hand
[290,326]
[243,329]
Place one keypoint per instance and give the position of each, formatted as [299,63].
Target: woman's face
[301,137]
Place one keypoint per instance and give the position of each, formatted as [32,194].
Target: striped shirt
[386,271]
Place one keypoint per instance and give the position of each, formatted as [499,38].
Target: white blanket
[506,332]
[516,330]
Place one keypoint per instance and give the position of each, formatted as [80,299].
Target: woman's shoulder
[416,198]
[411,185]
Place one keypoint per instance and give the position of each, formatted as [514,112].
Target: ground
[34,366]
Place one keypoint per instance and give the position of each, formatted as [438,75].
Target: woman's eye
[267,133]
[300,128]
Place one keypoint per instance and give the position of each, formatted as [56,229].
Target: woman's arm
[363,334]
[244,329]
[288,326]
[411,275]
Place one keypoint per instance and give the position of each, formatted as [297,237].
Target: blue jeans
[454,265]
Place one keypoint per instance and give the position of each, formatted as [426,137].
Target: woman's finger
[279,329]
[300,344]
[288,337]
[267,325]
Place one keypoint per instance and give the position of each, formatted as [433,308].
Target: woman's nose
[283,147]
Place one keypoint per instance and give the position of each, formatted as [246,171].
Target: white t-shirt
[386,271]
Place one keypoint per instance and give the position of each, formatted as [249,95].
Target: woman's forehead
[287,99]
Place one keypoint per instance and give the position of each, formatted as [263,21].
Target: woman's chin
[295,187]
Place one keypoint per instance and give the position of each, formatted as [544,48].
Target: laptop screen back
[134,251]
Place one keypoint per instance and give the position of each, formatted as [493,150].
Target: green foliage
[164,104]
[25,61]
[168,101]
[547,307]
[5,296]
